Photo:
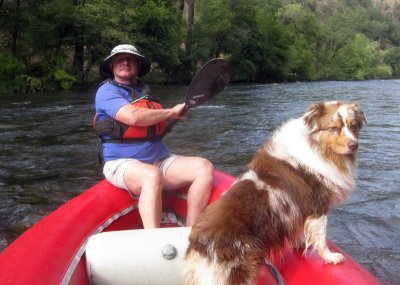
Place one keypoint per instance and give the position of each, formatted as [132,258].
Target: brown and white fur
[296,177]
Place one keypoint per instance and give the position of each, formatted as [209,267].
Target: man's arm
[131,115]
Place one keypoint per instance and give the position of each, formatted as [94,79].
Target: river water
[49,154]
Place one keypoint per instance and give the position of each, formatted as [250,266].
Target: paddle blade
[208,82]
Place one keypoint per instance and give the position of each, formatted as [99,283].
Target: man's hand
[177,112]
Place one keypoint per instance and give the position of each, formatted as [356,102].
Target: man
[136,158]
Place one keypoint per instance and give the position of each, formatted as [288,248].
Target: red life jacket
[149,132]
[120,132]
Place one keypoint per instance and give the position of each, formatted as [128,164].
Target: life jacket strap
[152,139]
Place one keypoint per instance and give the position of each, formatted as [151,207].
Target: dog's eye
[353,127]
[334,129]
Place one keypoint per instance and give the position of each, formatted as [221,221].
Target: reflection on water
[49,154]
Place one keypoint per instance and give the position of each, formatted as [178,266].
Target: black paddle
[208,82]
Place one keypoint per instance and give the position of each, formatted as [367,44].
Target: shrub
[12,78]
[65,79]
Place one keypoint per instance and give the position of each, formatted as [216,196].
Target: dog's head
[335,126]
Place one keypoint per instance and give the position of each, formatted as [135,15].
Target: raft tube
[53,250]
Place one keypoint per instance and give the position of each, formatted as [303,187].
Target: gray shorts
[114,170]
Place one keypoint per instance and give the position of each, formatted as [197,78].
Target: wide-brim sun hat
[144,63]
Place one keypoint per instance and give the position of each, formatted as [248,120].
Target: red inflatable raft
[53,250]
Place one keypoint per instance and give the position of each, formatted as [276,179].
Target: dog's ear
[360,117]
[313,113]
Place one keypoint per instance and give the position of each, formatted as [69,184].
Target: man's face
[125,67]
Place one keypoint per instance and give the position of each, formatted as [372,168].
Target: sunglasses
[128,59]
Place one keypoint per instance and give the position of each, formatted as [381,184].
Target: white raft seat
[152,256]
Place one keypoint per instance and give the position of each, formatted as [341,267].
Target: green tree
[105,23]
[213,28]
[264,57]
[159,27]
[50,38]
[306,41]
[59,44]
[248,33]
[392,58]
[357,59]
[154,26]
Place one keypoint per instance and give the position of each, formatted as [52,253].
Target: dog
[282,200]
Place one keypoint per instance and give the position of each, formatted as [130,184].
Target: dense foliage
[52,44]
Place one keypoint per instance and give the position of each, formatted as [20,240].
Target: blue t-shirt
[109,99]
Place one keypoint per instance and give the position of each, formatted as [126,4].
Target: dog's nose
[352,145]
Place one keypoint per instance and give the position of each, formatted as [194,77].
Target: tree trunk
[79,53]
[79,47]
[190,27]
[15,27]
[188,64]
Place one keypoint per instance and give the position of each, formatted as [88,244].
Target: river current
[49,154]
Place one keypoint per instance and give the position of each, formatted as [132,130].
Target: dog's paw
[333,258]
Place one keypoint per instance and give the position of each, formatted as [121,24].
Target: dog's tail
[199,270]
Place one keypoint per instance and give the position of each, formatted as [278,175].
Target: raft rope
[79,253]
[275,272]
